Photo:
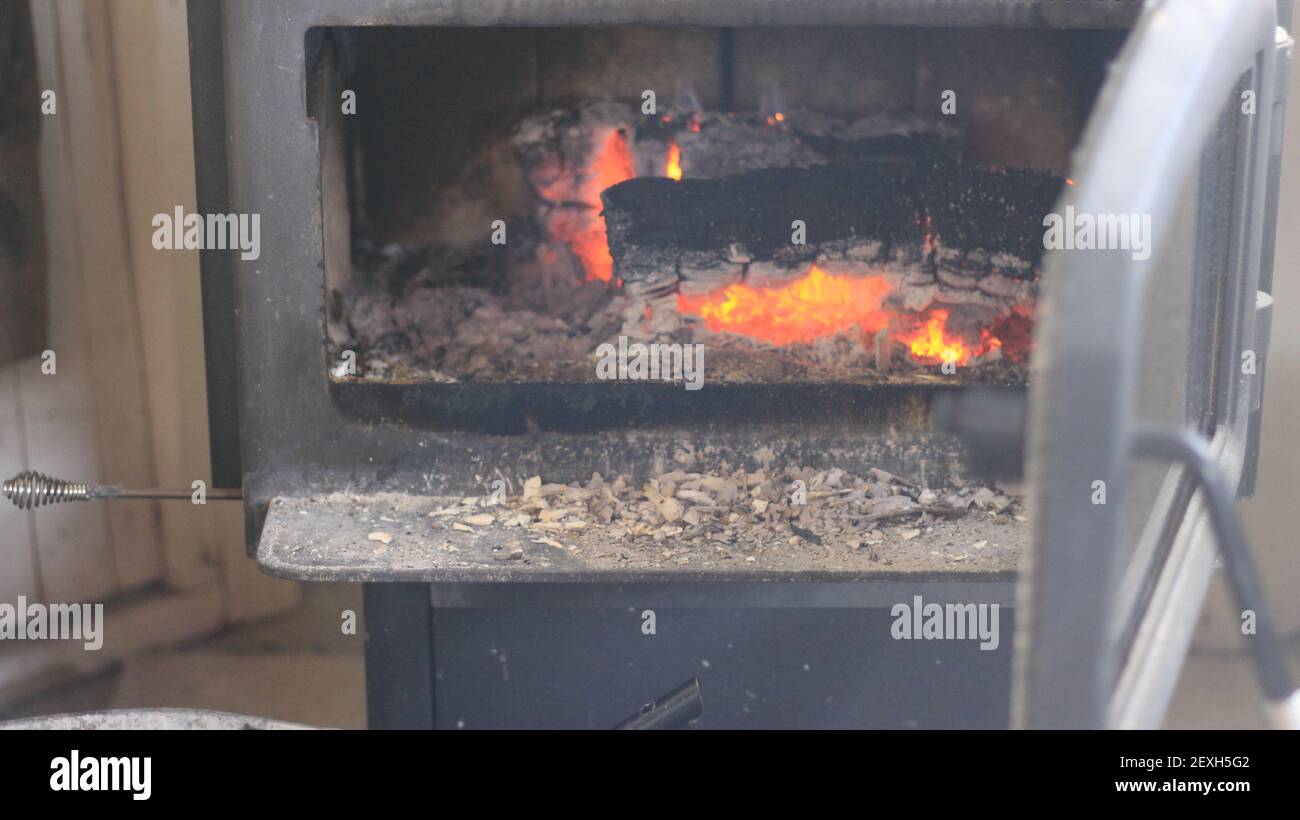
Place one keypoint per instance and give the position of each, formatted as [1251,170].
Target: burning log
[930,283]
[915,217]
[657,224]
[698,145]
[569,157]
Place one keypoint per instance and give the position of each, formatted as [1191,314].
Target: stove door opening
[689,205]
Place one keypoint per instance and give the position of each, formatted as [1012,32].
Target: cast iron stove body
[370,448]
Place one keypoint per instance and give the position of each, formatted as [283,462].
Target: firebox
[714,321]
[711,195]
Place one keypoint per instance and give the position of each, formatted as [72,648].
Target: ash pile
[764,516]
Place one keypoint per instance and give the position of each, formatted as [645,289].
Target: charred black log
[713,145]
[568,157]
[909,215]
[756,209]
[984,213]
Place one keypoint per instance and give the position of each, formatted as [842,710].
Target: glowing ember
[817,304]
[931,343]
[820,304]
[612,165]
[1015,332]
[673,167]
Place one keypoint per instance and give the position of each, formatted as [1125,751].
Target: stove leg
[399,656]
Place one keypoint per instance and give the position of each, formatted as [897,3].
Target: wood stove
[569,313]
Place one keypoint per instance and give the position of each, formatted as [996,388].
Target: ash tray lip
[518,408]
[320,538]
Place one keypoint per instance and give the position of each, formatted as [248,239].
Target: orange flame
[588,241]
[817,304]
[931,343]
[820,304]
[673,167]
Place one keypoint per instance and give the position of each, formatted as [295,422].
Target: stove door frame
[1074,669]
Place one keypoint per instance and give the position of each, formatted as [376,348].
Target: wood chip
[533,487]
[694,496]
[671,509]
[444,512]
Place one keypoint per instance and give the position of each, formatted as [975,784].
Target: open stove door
[1166,328]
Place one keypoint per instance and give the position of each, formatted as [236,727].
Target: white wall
[127,403]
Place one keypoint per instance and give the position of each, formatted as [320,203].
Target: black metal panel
[827,668]
[207,92]
[518,409]
[579,656]
[399,656]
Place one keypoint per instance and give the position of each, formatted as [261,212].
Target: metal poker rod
[30,489]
